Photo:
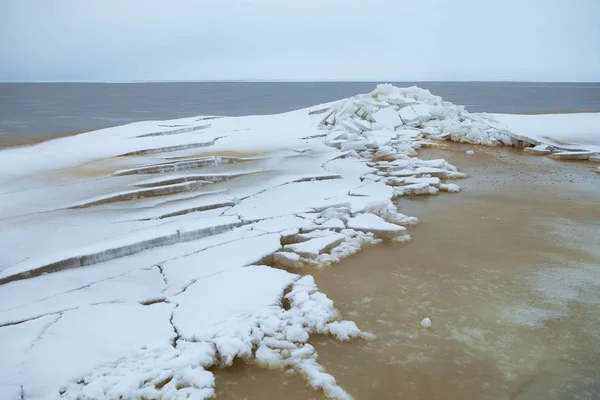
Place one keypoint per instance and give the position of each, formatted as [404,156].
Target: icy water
[509,272]
[37,111]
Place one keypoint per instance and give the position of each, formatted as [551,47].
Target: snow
[88,337]
[181,272]
[136,251]
[568,131]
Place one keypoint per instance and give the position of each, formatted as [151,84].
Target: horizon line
[291,81]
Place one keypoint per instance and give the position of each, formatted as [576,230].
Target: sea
[28,110]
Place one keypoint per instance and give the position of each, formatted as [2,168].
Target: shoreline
[511,307]
[157,223]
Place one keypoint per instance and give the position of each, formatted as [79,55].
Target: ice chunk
[387,118]
[362,124]
[333,223]
[426,322]
[540,149]
[376,225]
[415,189]
[449,187]
[573,155]
[356,145]
[404,172]
[312,248]
[470,152]
[387,210]
[434,181]
[386,153]
[415,114]
[197,319]
[351,126]
[287,259]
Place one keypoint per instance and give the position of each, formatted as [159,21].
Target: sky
[374,40]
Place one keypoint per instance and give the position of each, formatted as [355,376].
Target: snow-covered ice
[140,256]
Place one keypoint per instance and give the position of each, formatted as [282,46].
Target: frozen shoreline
[154,222]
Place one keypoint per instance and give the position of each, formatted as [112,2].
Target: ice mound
[389,108]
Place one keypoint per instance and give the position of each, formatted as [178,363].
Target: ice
[136,252]
[469,152]
[21,338]
[435,182]
[449,187]
[388,212]
[415,114]
[333,223]
[88,337]
[280,224]
[287,259]
[595,158]
[541,149]
[426,322]
[110,249]
[138,286]
[182,271]
[313,247]
[197,319]
[574,155]
[376,225]
[403,172]
[415,189]
[387,118]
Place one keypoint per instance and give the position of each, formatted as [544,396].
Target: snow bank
[560,131]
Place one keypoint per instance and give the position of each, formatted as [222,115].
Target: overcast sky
[123,40]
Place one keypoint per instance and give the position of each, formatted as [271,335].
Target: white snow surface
[568,131]
[135,258]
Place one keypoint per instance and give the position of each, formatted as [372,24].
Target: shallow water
[509,272]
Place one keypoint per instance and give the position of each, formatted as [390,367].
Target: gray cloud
[305,40]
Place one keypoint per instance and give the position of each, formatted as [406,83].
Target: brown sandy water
[509,272]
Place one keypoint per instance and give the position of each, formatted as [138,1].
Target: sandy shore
[509,272]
